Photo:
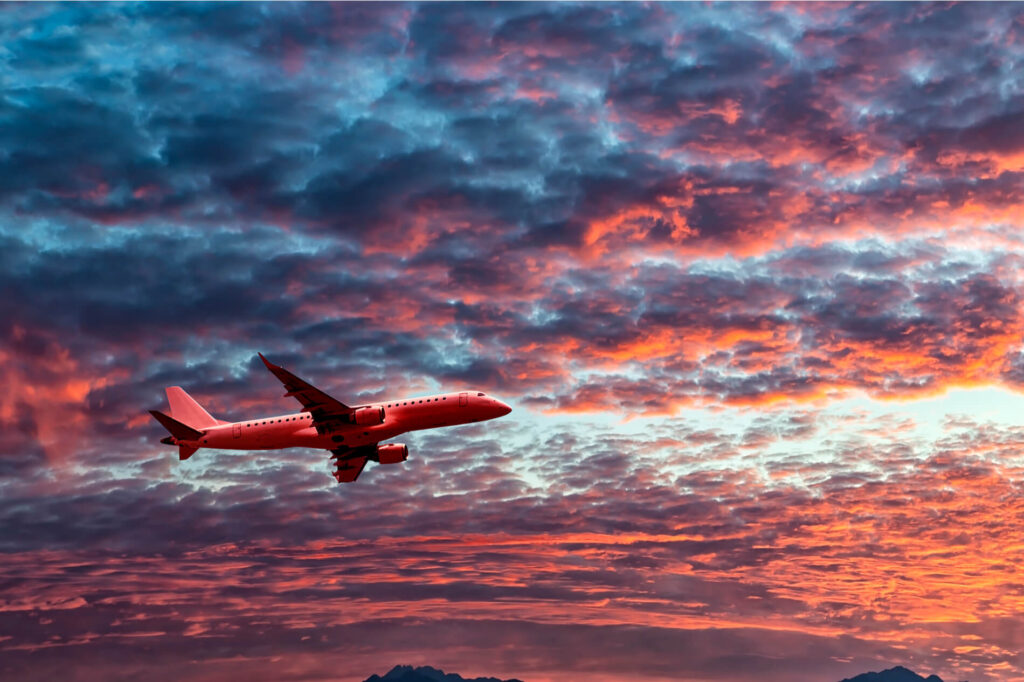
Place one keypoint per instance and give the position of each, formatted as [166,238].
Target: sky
[750,276]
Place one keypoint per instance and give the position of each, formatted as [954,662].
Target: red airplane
[352,434]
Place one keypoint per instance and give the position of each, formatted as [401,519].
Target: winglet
[266,362]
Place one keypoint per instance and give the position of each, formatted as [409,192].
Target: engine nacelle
[392,453]
[368,416]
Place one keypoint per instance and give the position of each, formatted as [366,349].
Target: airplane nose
[504,409]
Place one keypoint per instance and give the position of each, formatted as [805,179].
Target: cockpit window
[479,393]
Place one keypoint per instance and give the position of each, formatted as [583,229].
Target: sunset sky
[750,275]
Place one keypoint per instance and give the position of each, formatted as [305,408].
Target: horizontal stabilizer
[177,429]
[186,451]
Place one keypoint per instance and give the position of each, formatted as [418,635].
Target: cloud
[684,241]
[845,561]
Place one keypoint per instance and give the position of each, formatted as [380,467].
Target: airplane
[352,434]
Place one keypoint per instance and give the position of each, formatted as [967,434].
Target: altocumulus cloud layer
[739,227]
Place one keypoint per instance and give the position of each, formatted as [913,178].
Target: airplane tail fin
[187,411]
[186,451]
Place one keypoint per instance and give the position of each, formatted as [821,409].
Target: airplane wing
[321,406]
[350,462]
[349,470]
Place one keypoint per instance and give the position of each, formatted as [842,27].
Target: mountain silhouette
[406,673]
[897,674]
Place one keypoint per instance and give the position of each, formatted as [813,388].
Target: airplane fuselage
[400,416]
[352,434]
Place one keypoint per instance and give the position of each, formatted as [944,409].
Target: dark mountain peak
[406,673]
[897,674]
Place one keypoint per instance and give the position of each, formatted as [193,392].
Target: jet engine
[392,453]
[368,416]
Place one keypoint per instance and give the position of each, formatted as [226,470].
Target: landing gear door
[463,399]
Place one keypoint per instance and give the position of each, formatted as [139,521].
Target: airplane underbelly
[356,437]
[267,439]
[307,438]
